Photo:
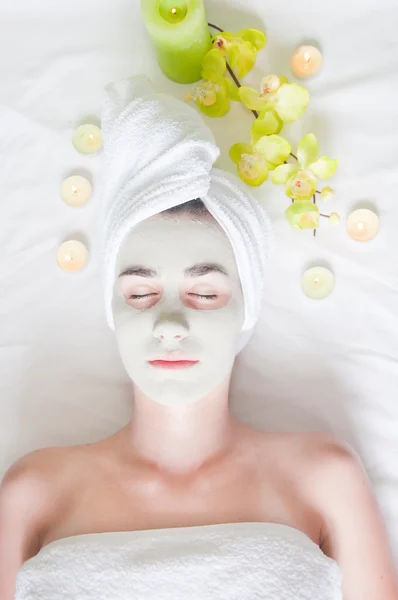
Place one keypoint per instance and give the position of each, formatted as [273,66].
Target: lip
[172,364]
[173,357]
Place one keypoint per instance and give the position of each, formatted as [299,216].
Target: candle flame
[74,189]
[173,11]
[307,57]
[91,137]
[360,225]
[316,280]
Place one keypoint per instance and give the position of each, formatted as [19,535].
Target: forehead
[177,242]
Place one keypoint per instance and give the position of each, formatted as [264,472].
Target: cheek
[220,327]
[133,343]
[125,316]
[132,328]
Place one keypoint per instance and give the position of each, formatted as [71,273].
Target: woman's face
[177,294]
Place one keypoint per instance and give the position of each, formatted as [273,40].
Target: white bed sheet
[329,365]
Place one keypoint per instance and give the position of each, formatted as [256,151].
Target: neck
[181,439]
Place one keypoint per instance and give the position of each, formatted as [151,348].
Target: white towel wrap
[233,561]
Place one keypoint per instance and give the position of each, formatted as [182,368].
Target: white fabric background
[329,365]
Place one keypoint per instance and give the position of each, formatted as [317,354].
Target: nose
[171,328]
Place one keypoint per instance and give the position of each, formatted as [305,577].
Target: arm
[23,507]
[354,533]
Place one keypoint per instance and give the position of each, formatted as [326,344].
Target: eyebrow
[195,271]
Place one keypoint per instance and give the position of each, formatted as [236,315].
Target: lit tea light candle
[87,139]
[306,61]
[317,283]
[180,35]
[363,225]
[76,190]
[72,256]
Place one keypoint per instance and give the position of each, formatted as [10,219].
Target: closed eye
[207,297]
[137,297]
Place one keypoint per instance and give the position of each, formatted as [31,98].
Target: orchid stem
[230,71]
[314,200]
[215,27]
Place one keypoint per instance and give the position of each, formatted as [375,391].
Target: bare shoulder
[29,477]
[30,496]
[315,444]
[26,493]
[328,455]
[322,455]
[308,447]
[334,477]
[37,468]
[33,486]
[314,458]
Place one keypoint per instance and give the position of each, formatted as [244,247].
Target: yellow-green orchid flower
[303,215]
[300,179]
[213,93]
[255,160]
[288,100]
[334,218]
[240,48]
[327,193]
[252,166]
[301,186]
[267,123]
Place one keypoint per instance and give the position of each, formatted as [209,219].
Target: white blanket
[244,561]
[327,365]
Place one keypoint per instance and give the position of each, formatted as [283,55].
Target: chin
[181,387]
[177,393]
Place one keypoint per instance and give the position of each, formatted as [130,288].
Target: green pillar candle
[180,34]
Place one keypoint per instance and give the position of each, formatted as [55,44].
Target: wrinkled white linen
[327,365]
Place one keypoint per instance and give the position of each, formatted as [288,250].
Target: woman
[265,514]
